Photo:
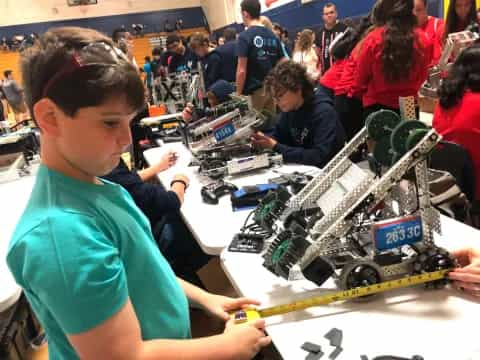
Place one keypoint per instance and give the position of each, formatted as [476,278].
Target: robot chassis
[360,227]
[455,44]
[221,146]
[176,90]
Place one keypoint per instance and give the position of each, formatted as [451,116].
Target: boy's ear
[47,116]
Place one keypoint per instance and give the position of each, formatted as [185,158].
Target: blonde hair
[197,40]
[305,40]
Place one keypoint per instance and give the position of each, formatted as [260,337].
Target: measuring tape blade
[252,314]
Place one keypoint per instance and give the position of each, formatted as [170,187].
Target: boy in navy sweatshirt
[307,130]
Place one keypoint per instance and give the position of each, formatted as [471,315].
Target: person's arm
[324,141]
[242,55]
[282,53]
[241,74]
[467,276]
[217,305]
[168,160]
[312,64]
[179,186]
[17,88]
[120,338]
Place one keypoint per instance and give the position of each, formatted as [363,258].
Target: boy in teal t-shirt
[83,252]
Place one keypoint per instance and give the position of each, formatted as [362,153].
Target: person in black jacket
[307,130]
[162,208]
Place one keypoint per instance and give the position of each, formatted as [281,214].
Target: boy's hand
[467,276]
[246,340]
[167,161]
[263,141]
[187,113]
[221,305]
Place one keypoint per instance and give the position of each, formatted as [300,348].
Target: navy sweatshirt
[311,135]
[212,68]
[152,199]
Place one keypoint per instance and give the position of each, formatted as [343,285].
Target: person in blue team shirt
[147,68]
[258,51]
[307,130]
[182,58]
[82,251]
[228,55]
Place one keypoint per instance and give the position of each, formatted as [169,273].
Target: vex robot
[178,89]
[455,44]
[221,144]
[360,225]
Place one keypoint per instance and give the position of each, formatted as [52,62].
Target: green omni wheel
[415,137]
[381,123]
[401,133]
[279,253]
[383,152]
[285,250]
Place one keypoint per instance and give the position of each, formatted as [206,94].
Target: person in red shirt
[394,58]
[460,15]
[330,78]
[347,104]
[339,50]
[457,116]
[433,27]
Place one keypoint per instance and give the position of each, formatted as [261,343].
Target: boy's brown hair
[289,75]
[77,68]
[197,40]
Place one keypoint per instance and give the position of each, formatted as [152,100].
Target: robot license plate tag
[394,233]
[223,131]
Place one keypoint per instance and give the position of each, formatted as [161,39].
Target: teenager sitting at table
[307,130]
[162,208]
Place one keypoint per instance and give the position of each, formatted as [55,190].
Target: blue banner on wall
[295,17]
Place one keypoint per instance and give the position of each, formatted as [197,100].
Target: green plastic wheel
[400,134]
[381,123]
[383,152]
[415,137]
[280,251]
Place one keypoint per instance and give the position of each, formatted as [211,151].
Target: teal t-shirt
[80,250]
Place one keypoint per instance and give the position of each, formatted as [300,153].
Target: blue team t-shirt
[229,60]
[263,50]
[80,251]
[186,62]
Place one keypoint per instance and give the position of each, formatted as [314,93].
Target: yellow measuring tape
[248,314]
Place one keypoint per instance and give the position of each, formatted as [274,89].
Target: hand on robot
[187,113]
[467,276]
[263,141]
